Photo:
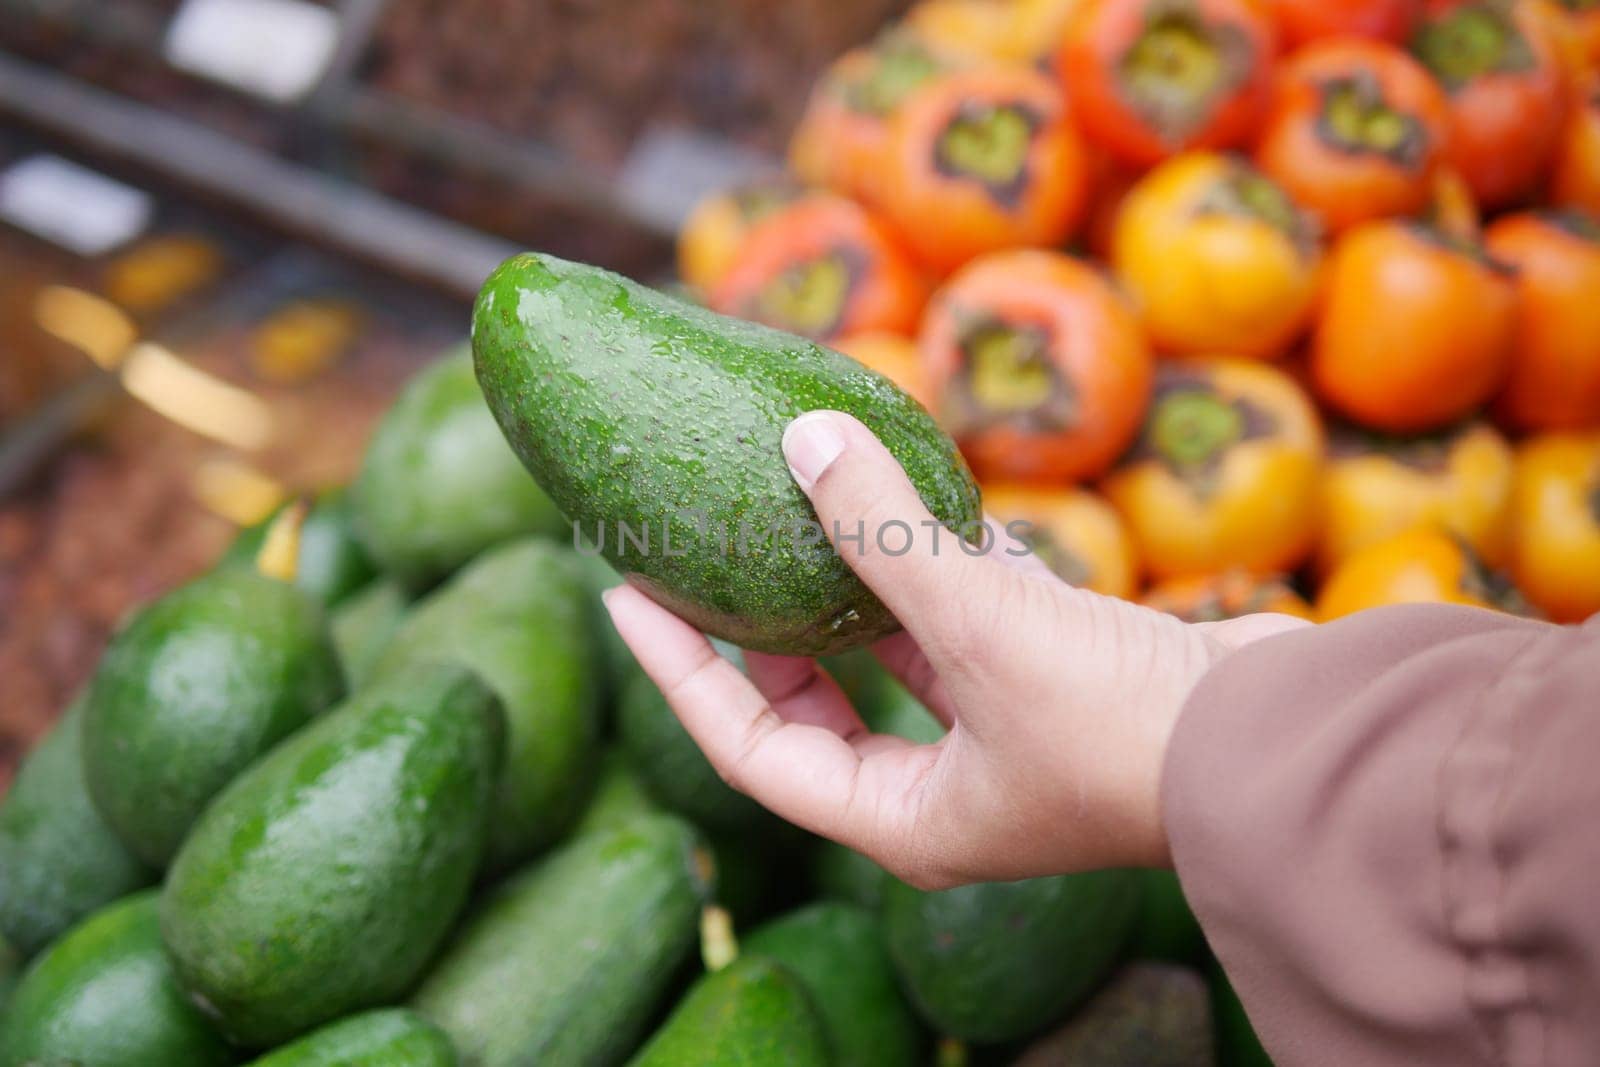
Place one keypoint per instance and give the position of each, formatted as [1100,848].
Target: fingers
[878,523]
[861,791]
[799,690]
[900,654]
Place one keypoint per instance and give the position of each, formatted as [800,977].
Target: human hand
[1059,702]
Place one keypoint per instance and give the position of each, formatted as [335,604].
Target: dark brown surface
[588,75]
[113,520]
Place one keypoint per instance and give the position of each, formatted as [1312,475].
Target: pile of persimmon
[1236,305]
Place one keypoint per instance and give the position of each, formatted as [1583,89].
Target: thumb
[878,523]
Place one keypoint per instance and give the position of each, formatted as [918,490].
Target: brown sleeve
[1389,828]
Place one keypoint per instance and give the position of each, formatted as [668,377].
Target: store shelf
[387,233]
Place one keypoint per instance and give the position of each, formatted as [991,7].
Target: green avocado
[836,950]
[59,861]
[10,970]
[886,707]
[999,961]
[672,766]
[1237,1043]
[438,485]
[752,1013]
[192,690]
[1151,1015]
[617,799]
[104,996]
[363,625]
[565,963]
[387,1037]
[616,660]
[656,427]
[331,565]
[1166,929]
[518,616]
[325,877]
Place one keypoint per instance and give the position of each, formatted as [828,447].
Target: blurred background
[229,229]
[1244,305]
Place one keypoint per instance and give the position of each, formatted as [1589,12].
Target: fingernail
[810,444]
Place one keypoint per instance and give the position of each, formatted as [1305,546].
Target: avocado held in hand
[644,416]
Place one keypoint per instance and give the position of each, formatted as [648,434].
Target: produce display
[1221,293]
[1241,306]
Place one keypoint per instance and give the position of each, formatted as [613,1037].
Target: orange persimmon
[1420,566]
[1216,258]
[1414,329]
[984,159]
[1554,383]
[1556,524]
[1074,532]
[1219,597]
[1037,366]
[1224,474]
[1356,132]
[1151,78]
[823,267]
[1507,89]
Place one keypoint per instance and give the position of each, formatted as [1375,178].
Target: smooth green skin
[1150,1015]
[617,664]
[1166,929]
[10,971]
[323,880]
[1237,1043]
[633,408]
[837,952]
[845,875]
[59,861]
[192,690]
[518,616]
[438,485]
[886,707]
[363,625]
[999,961]
[387,1037]
[566,962]
[104,996]
[752,1013]
[672,766]
[331,565]
[618,798]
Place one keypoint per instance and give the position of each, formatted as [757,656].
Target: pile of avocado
[383,788]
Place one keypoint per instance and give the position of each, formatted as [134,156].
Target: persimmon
[984,159]
[1216,258]
[1554,382]
[1008,31]
[1375,487]
[1037,366]
[1074,532]
[1304,21]
[1224,473]
[1356,132]
[1420,566]
[823,267]
[714,230]
[1506,86]
[892,355]
[1556,524]
[843,136]
[1151,78]
[1218,597]
[1575,181]
[1414,330]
